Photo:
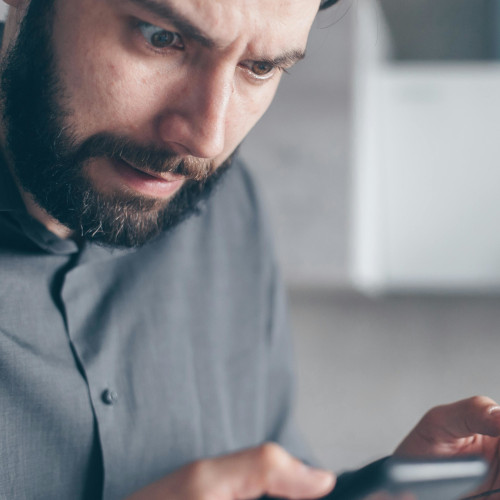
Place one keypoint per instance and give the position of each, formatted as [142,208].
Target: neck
[38,213]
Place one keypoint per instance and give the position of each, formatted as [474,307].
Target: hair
[327,3]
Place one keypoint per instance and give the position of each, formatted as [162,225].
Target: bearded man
[144,352]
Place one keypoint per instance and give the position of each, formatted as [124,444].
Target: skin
[264,470]
[199,98]
[467,427]
[200,102]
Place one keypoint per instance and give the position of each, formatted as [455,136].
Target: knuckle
[273,463]
[433,420]
[272,456]
[433,416]
[479,401]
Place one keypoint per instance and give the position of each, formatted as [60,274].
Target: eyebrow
[167,13]
[288,59]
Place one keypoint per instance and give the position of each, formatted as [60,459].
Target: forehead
[257,23]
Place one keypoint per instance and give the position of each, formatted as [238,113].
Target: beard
[49,162]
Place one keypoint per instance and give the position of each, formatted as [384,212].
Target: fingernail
[494,411]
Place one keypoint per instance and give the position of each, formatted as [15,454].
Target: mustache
[149,158]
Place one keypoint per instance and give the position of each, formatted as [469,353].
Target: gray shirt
[119,366]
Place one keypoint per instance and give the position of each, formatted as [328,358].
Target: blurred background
[377,162]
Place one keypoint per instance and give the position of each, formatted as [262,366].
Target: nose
[194,121]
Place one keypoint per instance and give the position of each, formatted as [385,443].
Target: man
[145,353]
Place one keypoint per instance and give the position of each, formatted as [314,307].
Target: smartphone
[429,479]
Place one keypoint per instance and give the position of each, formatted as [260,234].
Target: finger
[252,473]
[476,415]
[269,470]
[444,425]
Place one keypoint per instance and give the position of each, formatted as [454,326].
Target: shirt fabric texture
[119,366]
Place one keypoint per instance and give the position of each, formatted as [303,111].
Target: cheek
[248,108]
[110,94]
[105,89]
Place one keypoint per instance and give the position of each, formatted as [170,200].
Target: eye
[262,68]
[160,38]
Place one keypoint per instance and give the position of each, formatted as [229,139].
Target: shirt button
[109,397]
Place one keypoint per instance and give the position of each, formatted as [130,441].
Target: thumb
[269,470]
[476,415]
[252,473]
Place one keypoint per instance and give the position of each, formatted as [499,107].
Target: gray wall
[369,368]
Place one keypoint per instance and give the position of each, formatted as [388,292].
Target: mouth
[164,176]
[152,184]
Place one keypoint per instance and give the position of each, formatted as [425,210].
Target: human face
[169,86]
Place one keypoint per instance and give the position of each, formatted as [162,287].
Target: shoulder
[239,189]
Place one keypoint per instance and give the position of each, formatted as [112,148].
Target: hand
[467,427]
[265,470]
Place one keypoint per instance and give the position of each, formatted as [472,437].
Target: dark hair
[327,3]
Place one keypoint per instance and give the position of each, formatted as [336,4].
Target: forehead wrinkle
[166,11]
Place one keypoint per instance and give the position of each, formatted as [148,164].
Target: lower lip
[144,183]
